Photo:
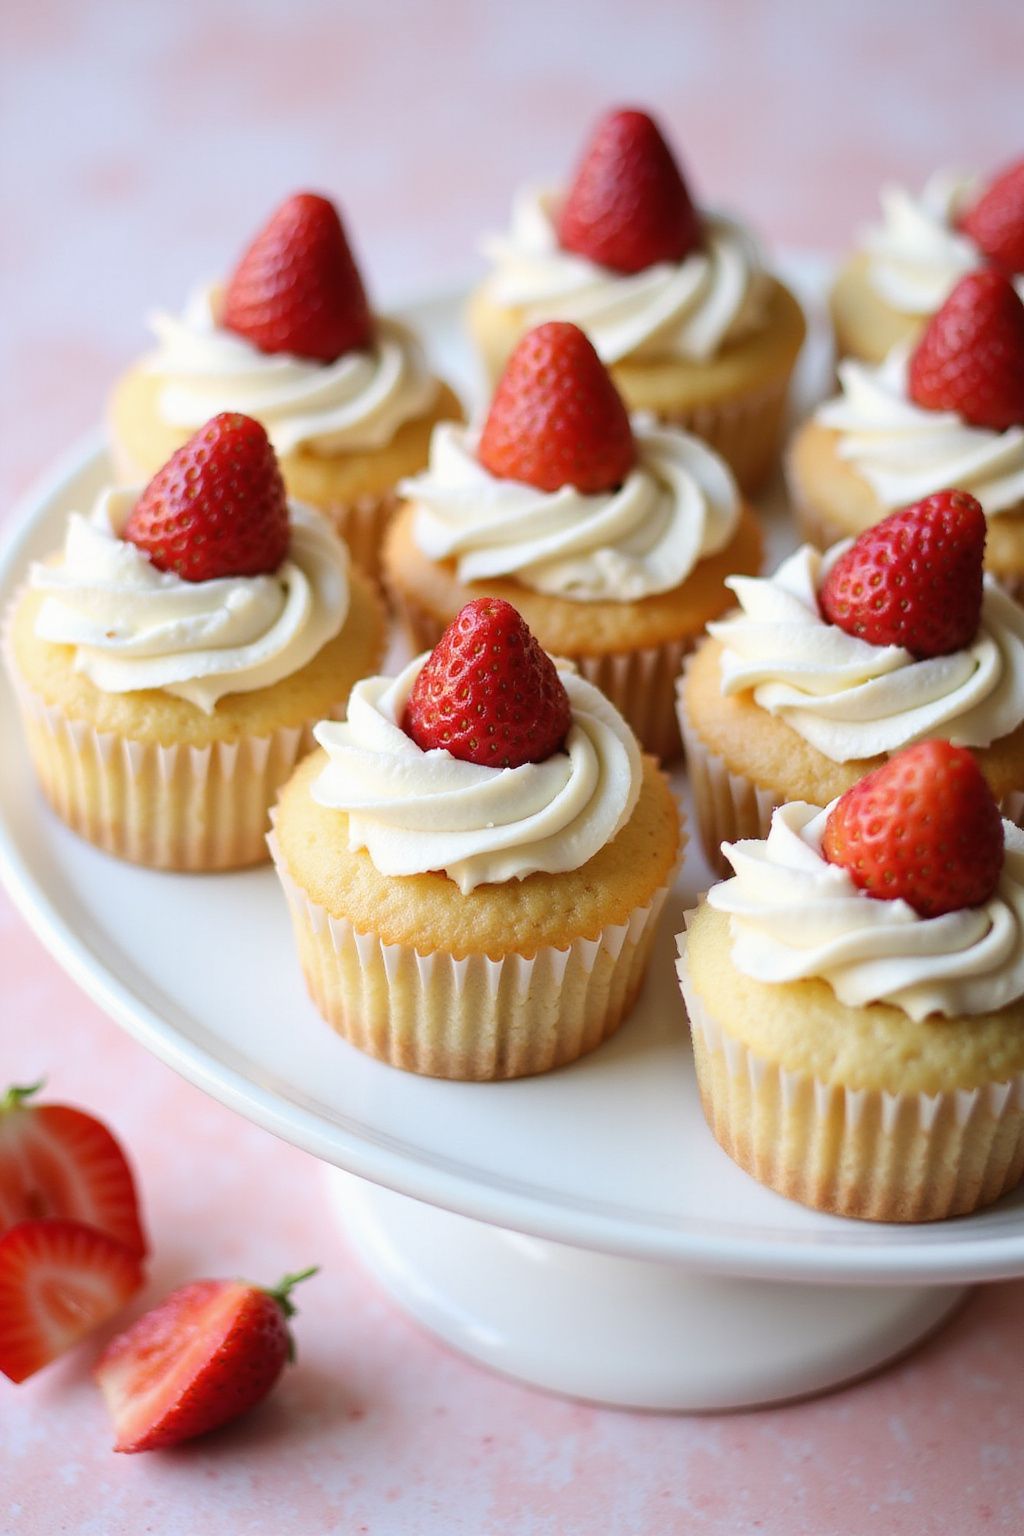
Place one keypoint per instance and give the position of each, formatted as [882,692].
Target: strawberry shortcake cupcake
[856,996]
[612,535]
[476,860]
[676,300]
[346,395]
[171,658]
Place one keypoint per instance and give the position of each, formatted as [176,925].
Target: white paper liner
[854,1152]
[745,432]
[362,523]
[475,1018]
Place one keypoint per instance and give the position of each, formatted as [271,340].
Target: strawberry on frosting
[970,358]
[995,222]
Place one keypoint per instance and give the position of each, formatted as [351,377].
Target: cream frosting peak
[357,402]
[905,452]
[794,916]
[134,626]
[851,699]
[677,506]
[686,309]
[415,811]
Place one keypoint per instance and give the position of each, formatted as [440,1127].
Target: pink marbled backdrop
[140,144]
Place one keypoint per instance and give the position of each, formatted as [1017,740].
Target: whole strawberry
[970,358]
[628,206]
[218,506]
[996,221]
[208,1352]
[914,579]
[924,828]
[556,418]
[488,694]
[297,289]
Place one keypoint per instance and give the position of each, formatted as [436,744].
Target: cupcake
[677,302]
[171,659]
[949,412]
[836,661]
[856,996]
[612,537]
[906,267]
[346,396]
[476,860]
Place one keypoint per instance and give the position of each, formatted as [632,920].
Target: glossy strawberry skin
[915,579]
[996,221]
[488,694]
[970,358]
[628,206]
[556,418]
[297,288]
[217,508]
[924,828]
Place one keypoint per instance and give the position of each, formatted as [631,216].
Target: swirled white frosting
[133,626]
[415,811]
[357,402]
[677,505]
[905,452]
[851,699]
[687,309]
[793,916]
[917,254]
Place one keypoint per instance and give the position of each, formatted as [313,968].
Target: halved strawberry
[58,1281]
[58,1161]
[208,1352]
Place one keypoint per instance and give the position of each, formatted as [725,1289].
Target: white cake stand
[581,1231]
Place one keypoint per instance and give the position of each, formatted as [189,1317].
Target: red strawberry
[297,289]
[914,579]
[488,693]
[59,1161]
[58,1281]
[971,356]
[923,827]
[628,206]
[218,506]
[556,418]
[996,221]
[208,1352]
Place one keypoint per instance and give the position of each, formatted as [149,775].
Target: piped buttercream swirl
[414,811]
[134,626]
[688,309]
[678,505]
[358,402]
[794,916]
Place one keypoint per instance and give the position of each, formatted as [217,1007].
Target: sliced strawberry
[206,1354]
[915,579]
[297,288]
[488,694]
[556,418]
[996,221]
[58,1281]
[628,206]
[970,358]
[218,507]
[59,1161]
[924,827]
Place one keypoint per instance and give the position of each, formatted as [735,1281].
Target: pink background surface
[141,147]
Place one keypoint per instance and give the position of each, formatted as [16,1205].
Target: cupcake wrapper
[177,807]
[746,432]
[641,683]
[474,1018]
[855,1152]
[362,523]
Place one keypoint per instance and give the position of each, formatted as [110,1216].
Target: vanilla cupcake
[678,303]
[171,658]
[612,537]
[856,997]
[476,860]
[905,267]
[346,396]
